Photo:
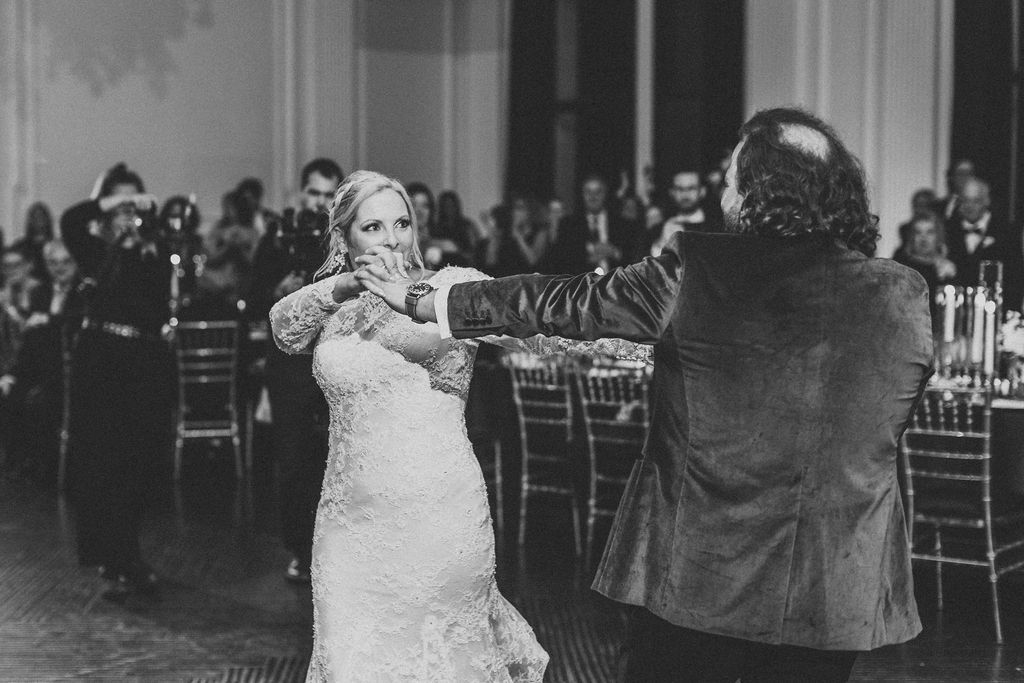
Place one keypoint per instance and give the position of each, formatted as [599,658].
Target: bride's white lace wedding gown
[403,551]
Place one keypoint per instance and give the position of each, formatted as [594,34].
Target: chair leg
[236,443]
[250,429]
[524,492]
[499,496]
[591,514]
[179,445]
[577,536]
[993,578]
[62,459]
[938,568]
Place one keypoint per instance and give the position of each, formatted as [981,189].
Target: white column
[283,140]
[479,103]
[644,90]
[18,104]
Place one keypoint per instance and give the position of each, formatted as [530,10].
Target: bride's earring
[339,262]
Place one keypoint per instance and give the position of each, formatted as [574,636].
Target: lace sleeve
[545,346]
[297,319]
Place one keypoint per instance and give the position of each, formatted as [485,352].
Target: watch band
[410,308]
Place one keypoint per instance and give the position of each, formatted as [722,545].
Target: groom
[762,536]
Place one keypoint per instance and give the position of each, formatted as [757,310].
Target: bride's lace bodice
[403,555]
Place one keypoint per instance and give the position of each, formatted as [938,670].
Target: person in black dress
[122,379]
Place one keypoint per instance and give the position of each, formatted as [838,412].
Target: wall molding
[644,146]
[19,74]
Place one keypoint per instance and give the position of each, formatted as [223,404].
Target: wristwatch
[413,294]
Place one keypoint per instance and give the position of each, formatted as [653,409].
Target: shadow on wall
[103,42]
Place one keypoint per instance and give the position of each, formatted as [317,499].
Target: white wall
[196,94]
[880,72]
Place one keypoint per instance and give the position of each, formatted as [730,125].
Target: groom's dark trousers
[765,511]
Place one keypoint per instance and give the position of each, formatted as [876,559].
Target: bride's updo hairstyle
[357,187]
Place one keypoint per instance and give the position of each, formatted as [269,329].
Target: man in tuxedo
[592,238]
[973,235]
[762,536]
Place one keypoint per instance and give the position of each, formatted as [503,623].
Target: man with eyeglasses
[297,406]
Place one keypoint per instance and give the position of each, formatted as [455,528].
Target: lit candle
[990,336]
[950,314]
[978,331]
[175,261]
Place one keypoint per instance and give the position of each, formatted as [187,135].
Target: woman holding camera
[122,375]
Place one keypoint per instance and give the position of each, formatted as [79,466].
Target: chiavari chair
[207,356]
[541,391]
[952,516]
[614,399]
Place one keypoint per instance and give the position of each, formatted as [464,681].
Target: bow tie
[973,230]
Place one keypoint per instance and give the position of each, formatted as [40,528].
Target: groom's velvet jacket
[766,506]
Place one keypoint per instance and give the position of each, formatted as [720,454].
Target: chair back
[946,452]
[207,351]
[614,399]
[542,396]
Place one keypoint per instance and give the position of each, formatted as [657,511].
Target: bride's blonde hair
[357,187]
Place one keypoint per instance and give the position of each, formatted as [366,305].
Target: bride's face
[382,219]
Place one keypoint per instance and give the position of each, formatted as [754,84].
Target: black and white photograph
[511,341]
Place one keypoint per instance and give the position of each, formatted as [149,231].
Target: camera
[300,234]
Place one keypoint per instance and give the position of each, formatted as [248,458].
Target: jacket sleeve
[634,302]
[74,231]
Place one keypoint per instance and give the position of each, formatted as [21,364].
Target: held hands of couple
[377,265]
[391,285]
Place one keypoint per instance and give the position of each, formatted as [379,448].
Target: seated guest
[16,281]
[924,250]
[15,289]
[593,238]
[973,235]
[38,231]
[517,241]
[922,203]
[685,211]
[423,205]
[35,384]
[453,231]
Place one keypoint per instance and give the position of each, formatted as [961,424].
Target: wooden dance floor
[225,612]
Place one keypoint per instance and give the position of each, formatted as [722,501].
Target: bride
[403,552]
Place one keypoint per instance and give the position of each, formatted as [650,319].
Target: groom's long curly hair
[797,178]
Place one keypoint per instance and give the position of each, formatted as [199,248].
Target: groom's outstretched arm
[634,302]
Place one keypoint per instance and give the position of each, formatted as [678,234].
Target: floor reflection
[225,612]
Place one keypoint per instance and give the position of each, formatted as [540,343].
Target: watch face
[419,289]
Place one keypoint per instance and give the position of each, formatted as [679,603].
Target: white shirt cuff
[441,310]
